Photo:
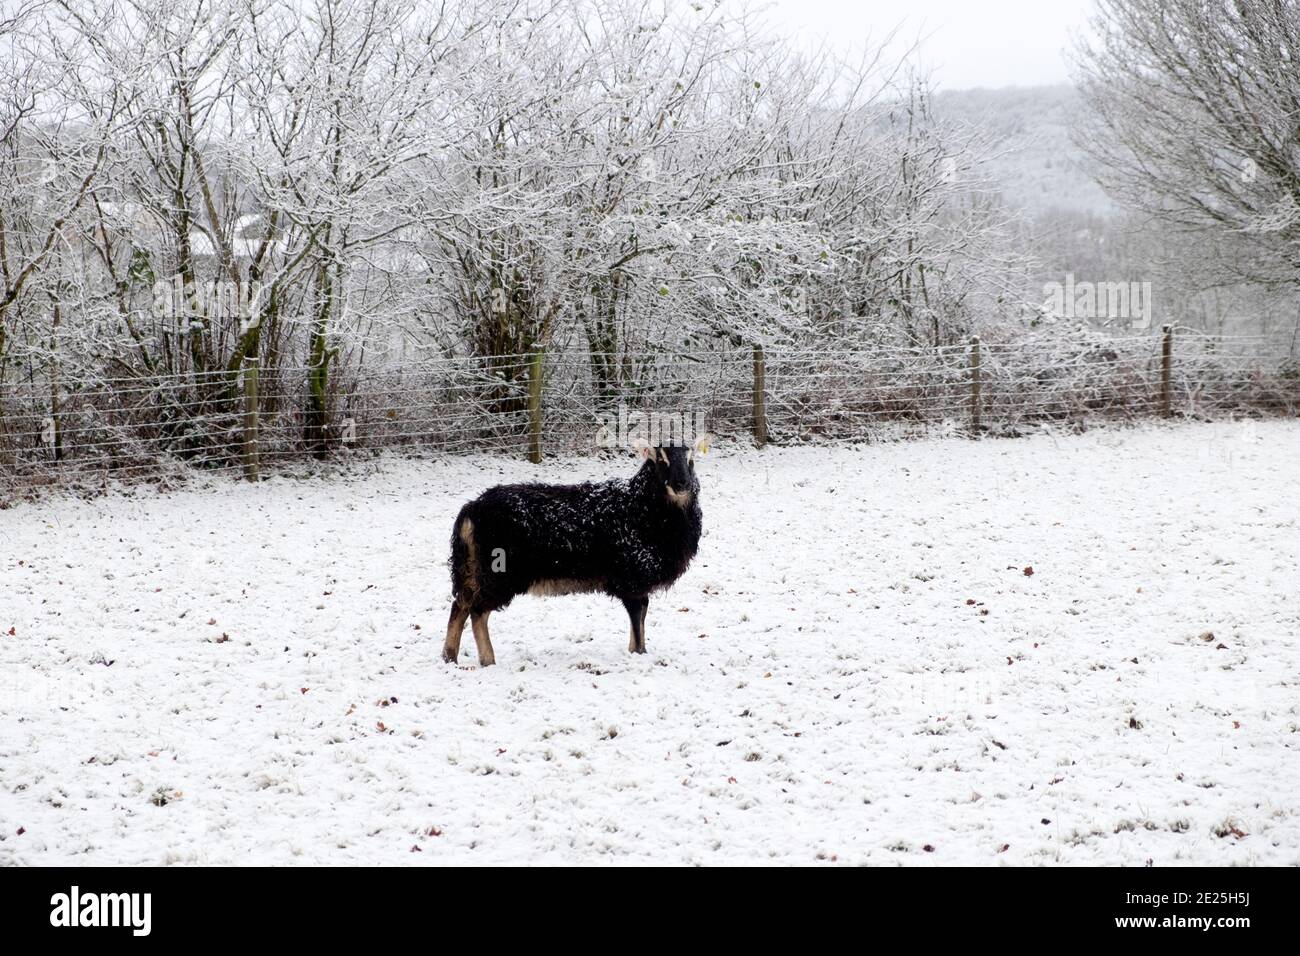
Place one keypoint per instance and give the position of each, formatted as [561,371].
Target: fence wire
[140,427]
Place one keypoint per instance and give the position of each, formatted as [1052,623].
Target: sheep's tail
[464,561]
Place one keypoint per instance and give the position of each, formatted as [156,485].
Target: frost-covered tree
[1194,109]
[57,121]
[334,187]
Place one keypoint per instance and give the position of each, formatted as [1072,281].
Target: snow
[818,688]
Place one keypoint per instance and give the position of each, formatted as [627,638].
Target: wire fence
[256,420]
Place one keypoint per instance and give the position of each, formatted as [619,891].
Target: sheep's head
[674,467]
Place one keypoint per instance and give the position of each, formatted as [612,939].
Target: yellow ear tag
[704,448]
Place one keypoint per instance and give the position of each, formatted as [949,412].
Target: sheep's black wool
[626,538]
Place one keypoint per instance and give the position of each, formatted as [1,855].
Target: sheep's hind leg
[479,623]
[636,608]
[455,627]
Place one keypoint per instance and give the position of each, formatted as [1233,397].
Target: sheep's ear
[702,444]
[643,447]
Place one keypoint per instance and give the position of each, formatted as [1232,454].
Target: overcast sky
[968,42]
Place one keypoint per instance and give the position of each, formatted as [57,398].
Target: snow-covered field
[859,668]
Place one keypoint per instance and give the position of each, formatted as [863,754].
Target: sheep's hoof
[449,657]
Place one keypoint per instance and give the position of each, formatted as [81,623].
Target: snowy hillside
[1037,166]
[1062,649]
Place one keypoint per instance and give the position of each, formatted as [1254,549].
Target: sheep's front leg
[479,623]
[636,608]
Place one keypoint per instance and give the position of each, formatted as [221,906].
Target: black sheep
[627,538]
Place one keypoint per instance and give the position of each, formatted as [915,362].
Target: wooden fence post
[976,385]
[535,406]
[1166,370]
[760,397]
[250,450]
